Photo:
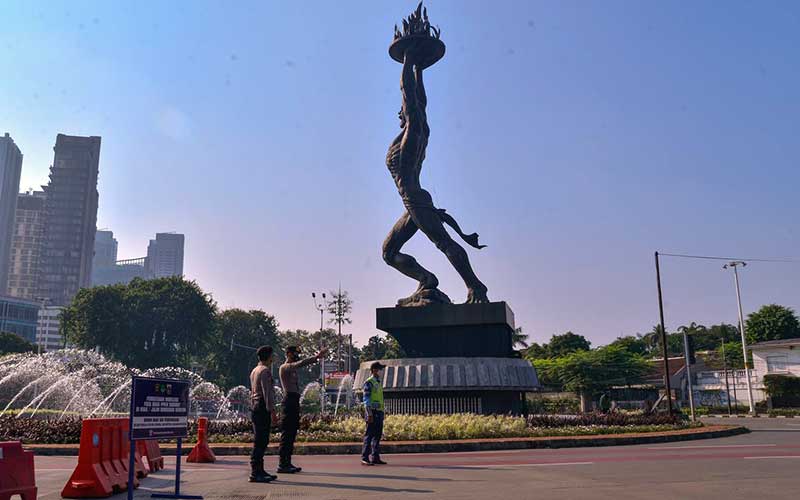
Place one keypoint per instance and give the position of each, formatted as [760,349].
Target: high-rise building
[165,255]
[122,272]
[26,245]
[105,250]
[70,219]
[10,171]
[48,334]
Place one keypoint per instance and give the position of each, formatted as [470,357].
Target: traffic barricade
[16,472]
[150,450]
[102,468]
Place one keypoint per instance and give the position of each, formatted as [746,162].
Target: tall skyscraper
[10,170]
[105,250]
[165,255]
[26,245]
[70,219]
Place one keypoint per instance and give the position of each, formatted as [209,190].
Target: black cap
[377,366]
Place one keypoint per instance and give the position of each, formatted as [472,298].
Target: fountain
[76,382]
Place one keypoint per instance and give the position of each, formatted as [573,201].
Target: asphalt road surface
[764,464]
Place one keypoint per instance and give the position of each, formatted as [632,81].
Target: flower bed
[327,428]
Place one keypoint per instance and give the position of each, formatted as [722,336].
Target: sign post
[159,410]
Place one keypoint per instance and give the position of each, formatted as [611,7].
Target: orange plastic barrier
[152,451]
[16,472]
[201,452]
[103,457]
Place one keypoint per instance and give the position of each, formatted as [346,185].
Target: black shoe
[260,478]
[378,461]
[289,469]
[366,462]
[272,477]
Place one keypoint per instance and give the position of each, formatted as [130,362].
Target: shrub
[783,389]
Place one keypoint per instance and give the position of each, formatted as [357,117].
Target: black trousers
[261,418]
[289,426]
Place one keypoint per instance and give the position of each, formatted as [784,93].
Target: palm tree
[519,339]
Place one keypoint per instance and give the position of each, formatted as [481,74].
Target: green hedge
[783,389]
[316,428]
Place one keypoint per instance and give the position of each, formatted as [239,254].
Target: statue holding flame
[417,47]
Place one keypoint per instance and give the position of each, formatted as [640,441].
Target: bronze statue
[417,47]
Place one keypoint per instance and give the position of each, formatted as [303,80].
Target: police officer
[290,380]
[262,399]
[373,405]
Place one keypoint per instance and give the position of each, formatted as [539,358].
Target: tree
[632,343]
[237,334]
[339,308]
[310,343]
[518,338]
[144,324]
[772,322]
[381,348]
[566,343]
[535,351]
[11,343]
[588,373]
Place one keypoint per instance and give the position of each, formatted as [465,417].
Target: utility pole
[663,338]
[688,372]
[735,265]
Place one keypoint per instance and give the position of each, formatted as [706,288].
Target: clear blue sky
[575,137]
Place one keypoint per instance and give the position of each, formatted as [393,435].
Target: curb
[443,446]
[758,415]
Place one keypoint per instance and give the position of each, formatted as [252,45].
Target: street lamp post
[321,308]
[45,318]
[735,265]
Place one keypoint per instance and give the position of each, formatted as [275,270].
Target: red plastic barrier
[201,452]
[152,451]
[16,472]
[102,468]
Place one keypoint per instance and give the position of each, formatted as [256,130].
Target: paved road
[763,464]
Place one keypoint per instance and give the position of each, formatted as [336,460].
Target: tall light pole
[735,265]
[42,311]
[321,308]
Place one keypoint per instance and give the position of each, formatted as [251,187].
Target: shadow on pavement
[382,489]
[376,476]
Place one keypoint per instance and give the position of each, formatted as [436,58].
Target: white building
[781,357]
[47,334]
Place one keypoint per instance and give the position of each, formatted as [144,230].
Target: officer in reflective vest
[373,406]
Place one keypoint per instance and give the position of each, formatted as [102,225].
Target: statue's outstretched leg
[428,221]
[402,231]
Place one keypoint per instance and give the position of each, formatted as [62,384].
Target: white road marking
[701,447]
[549,464]
[774,456]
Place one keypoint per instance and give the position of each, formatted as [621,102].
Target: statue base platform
[439,330]
[481,385]
[460,360]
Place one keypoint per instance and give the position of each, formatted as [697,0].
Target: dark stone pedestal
[450,329]
[460,360]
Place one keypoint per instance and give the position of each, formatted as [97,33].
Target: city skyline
[598,151]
